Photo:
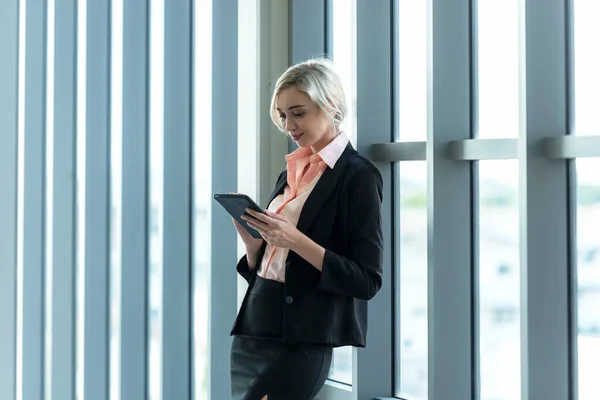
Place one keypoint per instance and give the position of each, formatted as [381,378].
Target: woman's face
[306,123]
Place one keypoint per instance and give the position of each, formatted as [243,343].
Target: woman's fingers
[255,222]
[258,215]
[237,224]
[239,228]
[260,229]
[257,218]
[274,215]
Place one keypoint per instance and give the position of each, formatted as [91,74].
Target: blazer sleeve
[360,274]
[243,269]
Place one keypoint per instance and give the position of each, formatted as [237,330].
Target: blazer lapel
[323,189]
[279,186]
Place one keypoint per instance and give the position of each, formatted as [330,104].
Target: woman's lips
[296,137]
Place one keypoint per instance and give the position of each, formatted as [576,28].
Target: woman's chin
[301,142]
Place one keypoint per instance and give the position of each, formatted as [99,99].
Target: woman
[320,256]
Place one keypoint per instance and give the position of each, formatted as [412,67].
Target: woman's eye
[298,114]
[282,116]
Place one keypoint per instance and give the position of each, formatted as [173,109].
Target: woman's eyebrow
[292,107]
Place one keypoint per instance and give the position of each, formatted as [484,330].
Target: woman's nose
[289,126]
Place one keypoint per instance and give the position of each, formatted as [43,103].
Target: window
[497,36]
[411,283]
[411,298]
[202,193]
[344,59]
[586,84]
[497,116]
[498,281]
[588,269]
[248,111]
[155,219]
[116,206]
[588,277]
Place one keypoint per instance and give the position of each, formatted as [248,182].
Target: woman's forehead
[291,97]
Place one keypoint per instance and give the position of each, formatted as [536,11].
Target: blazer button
[289,300]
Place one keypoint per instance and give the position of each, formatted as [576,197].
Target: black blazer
[342,214]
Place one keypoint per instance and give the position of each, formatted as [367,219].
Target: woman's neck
[320,146]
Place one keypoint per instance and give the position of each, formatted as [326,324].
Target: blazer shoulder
[360,166]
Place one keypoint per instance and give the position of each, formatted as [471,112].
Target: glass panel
[344,57]
[588,277]
[411,296]
[155,218]
[344,60]
[586,85]
[341,365]
[249,112]
[412,70]
[116,178]
[498,280]
[80,188]
[411,299]
[202,192]
[586,63]
[497,68]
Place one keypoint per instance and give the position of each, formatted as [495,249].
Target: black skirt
[261,364]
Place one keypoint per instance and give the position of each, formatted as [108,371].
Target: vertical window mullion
[449,202]
[543,194]
[33,204]
[223,282]
[133,265]
[372,372]
[97,167]
[308,37]
[176,194]
[9,70]
[63,278]
[307,31]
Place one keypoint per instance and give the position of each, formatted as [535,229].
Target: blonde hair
[318,79]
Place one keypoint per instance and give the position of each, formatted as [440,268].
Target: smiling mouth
[296,137]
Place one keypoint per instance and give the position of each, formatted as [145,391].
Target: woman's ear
[334,110]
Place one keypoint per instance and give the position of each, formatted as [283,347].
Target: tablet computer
[235,205]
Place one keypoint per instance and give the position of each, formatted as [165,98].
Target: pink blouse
[303,172]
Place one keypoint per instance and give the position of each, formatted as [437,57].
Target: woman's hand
[275,229]
[251,243]
[278,232]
